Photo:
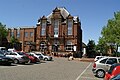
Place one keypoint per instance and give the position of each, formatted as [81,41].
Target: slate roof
[64,14]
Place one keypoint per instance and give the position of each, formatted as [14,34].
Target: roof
[64,14]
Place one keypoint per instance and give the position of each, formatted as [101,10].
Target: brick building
[59,31]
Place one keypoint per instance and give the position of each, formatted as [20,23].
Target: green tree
[110,34]
[101,47]
[14,41]
[90,49]
[3,33]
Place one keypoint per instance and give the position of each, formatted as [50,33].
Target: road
[59,69]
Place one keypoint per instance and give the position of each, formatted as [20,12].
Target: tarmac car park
[59,69]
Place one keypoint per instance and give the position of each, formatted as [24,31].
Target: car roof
[107,57]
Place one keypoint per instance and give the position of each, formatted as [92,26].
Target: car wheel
[16,61]
[100,73]
[46,59]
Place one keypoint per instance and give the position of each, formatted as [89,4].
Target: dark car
[113,71]
[5,60]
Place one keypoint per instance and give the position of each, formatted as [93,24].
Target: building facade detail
[59,31]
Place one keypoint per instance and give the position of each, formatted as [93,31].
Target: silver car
[18,57]
[103,64]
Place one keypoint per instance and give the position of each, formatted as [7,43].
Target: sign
[74,48]
[118,49]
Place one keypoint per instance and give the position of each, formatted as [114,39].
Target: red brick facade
[58,31]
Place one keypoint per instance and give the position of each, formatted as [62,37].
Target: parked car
[117,77]
[11,49]
[2,48]
[113,71]
[32,58]
[19,57]
[98,57]
[5,60]
[103,64]
[44,56]
[33,53]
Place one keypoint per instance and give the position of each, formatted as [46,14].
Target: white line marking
[83,72]
[91,78]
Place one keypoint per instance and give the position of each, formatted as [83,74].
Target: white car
[103,64]
[98,57]
[45,57]
[33,53]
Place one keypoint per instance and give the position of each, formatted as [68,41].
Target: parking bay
[59,69]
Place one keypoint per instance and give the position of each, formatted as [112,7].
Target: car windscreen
[20,53]
[1,54]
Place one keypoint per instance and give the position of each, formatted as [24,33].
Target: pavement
[84,59]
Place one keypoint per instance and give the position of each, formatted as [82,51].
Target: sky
[93,14]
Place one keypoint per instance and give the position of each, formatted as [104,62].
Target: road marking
[83,72]
[91,78]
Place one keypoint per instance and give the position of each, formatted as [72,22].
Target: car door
[11,54]
[109,62]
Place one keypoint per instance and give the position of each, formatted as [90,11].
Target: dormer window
[70,24]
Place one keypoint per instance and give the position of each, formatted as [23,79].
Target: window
[12,34]
[31,34]
[103,61]
[112,61]
[18,33]
[43,30]
[26,34]
[119,60]
[70,24]
[56,28]
[69,46]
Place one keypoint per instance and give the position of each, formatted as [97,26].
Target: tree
[111,33]
[3,33]
[90,49]
[14,41]
[101,47]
